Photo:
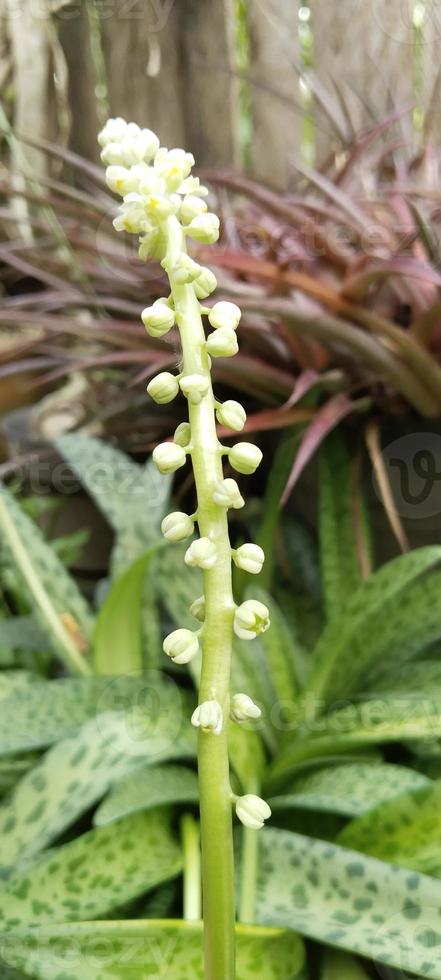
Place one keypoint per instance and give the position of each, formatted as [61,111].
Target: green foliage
[87,764]
[146,789]
[350,789]
[404,831]
[94,874]
[50,590]
[132,498]
[117,645]
[124,950]
[356,903]
[340,566]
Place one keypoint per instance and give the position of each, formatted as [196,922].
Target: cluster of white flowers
[155,184]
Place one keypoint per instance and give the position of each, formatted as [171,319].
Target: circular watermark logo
[413,467]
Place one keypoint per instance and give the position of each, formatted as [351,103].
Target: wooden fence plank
[75,39]
[275,91]
[210,88]
[141,50]
[367,49]
[29,32]
[429,60]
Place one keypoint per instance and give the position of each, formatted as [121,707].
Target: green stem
[68,650]
[214,780]
[192,868]
[249,867]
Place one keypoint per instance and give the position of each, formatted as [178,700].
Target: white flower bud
[227,494]
[113,131]
[169,457]
[201,553]
[222,343]
[205,284]
[158,319]
[243,708]
[251,619]
[224,314]
[112,155]
[181,646]
[197,608]
[191,207]
[187,270]
[245,457]
[252,811]
[177,526]
[182,434]
[163,388]
[208,717]
[121,181]
[204,228]
[194,387]
[232,415]
[250,558]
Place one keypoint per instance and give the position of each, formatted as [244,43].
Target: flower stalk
[164,205]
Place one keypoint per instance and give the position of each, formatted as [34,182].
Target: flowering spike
[163,204]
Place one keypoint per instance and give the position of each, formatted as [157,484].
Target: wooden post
[367,51]
[29,31]
[75,39]
[210,87]
[429,65]
[275,90]
[141,48]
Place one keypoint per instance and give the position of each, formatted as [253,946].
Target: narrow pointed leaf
[125,950]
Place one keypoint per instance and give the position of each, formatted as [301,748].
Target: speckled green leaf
[13,768]
[405,831]
[356,903]
[22,633]
[78,771]
[15,681]
[349,789]
[148,788]
[388,719]
[94,874]
[163,949]
[51,591]
[337,669]
[177,585]
[422,675]
[117,645]
[48,711]
[339,564]
[133,498]
[407,626]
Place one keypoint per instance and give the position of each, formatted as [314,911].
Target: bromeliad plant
[164,205]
